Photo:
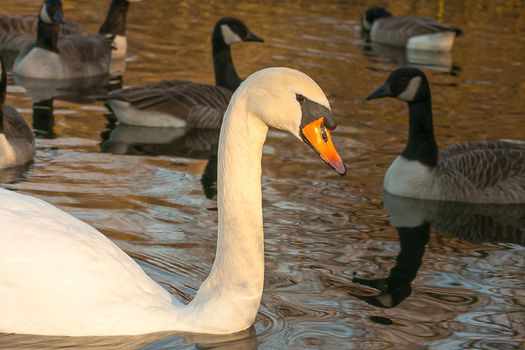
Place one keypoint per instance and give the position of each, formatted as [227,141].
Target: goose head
[232,30]
[51,12]
[289,100]
[406,84]
[372,14]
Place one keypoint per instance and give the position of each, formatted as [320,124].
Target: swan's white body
[60,276]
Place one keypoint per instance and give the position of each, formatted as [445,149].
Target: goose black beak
[58,17]
[382,91]
[317,136]
[252,37]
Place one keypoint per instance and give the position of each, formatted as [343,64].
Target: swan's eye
[299,98]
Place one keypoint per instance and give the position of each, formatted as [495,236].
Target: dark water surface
[338,275]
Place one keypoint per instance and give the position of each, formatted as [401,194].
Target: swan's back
[54,268]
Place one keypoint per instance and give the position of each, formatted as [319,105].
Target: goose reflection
[412,218]
[436,61]
[175,142]
[71,90]
[245,340]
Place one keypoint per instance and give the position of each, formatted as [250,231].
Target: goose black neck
[47,36]
[225,74]
[115,23]
[421,145]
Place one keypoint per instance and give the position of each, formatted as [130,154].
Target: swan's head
[232,30]
[406,84]
[289,100]
[51,12]
[372,14]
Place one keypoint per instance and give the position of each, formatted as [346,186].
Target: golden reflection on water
[321,230]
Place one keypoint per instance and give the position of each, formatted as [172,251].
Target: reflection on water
[413,218]
[438,61]
[244,340]
[178,142]
[149,190]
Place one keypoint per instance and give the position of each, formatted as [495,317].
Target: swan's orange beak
[317,136]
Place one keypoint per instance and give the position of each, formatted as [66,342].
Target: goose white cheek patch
[411,90]
[44,16]
[366,24]
[229,36]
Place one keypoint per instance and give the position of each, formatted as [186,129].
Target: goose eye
[299,98]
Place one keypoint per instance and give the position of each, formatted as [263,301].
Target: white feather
[442,41]
[229,36]
[127,114]
[44,16]
[408,178]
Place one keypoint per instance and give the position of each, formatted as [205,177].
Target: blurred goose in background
[18,31]
[177,103]
[55,57]
[413,219]
[412,32]
[61,276]
[479,172]
[17,142]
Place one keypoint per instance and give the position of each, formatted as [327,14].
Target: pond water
[338,274]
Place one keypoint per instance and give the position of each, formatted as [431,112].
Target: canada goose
[17,31]
[56,57]
[60,276]
[17,142]
[412,32]
[480,172]
[177,103]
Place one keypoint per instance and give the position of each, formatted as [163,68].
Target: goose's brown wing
[15,127]
[202,106]
[397,30]
[487,163]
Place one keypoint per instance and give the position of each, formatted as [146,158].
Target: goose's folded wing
[487,164]
[202,106]
[15,126]
[85,48]
[397,30]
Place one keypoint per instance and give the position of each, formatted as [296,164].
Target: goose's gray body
[171,103]
[78,56]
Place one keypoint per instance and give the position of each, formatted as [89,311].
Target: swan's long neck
[225,74]
[421,143]
[3,91]
[233,290]
[115,23]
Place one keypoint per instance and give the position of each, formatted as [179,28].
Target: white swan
[60,276]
